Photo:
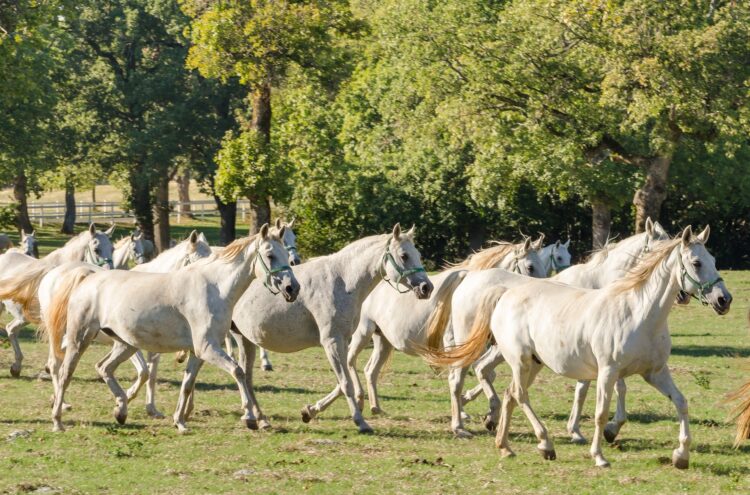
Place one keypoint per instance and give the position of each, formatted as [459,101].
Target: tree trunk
[22,210]
[183,192]
[260,206]
[649,198]
[601,223]
[260,213]
[141,202]
[477,233]
[161,209]
[228,215]
[69,221]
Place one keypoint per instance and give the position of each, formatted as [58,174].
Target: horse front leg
[247,360]
[574,421]
[605,384]
[662,381]
[335,349]
[153,369]
[13,328]
[621,416]
[359,341]
[382,351]
[456,377]
[186,389]
[265,360]
[141,367]
[485,370]
[120,353]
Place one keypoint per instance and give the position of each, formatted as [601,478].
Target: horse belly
[567,359]
[153,332]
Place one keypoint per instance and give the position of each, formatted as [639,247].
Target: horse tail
[476,344]
[741,412]
[58,310]
[22,289]
[440,316]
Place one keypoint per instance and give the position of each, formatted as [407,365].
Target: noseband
[402,272]
[702,288]
[96,259]
[269,271]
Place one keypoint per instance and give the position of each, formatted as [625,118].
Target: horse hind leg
[12,329]
[186,389]
[121,352]
[360,338]
[64,372]
[247,352]
[153,368]
[141,367]
[485,370]
[456,378]
[523,377]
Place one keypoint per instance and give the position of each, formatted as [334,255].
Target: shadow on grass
[710,350]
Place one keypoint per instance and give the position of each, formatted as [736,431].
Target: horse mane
[487,258]
[121,242]
[236,247]
[639,275]
[598,256]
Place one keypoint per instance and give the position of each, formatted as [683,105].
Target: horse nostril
[289,289]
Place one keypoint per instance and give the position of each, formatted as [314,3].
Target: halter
[702,288]
[388,257]
[269,271]
[98,260]
[558,267]
[291,249]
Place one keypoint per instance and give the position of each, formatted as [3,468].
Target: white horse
[556,257]
[28,245]
[474,308]
[327,309]
[407,325]
[290,243]
[603,334]
[162,312]
[128,249]
[21,275]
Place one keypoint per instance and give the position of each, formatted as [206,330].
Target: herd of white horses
[604,319]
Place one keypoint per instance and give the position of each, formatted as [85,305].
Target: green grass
[412,450]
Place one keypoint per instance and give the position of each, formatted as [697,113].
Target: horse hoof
[181,428]
[264,425]
[578,439]
[548,455]
[251,423]
[267,367]
[465,417]
[602,464]
[489,423]
[154,413]
[58,428]
[366,430]
[66,406]
[15,370]
[679,462]
[121,417]
[462,434]
[506,453]
[609,435]
[376,410]
[307,414]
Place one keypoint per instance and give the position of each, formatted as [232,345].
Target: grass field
[412,450]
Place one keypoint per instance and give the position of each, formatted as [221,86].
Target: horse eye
[697,263]
[404,257]
[559,258]
[531,269]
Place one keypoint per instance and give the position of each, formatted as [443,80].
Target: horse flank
[488,258]
[476,344]
[440,316]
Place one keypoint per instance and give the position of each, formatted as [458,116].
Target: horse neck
[74,250]
[231,278]
[655,298]
[121,256]
[168,261]
[361,268]
[509,262]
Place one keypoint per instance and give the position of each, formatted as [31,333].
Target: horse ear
[33,233]
[703,236]
[202,237]
[411,231]
[23,234]
[397,231]
[659,230]
[111,230]
[539,242]
[527,244]
[687,235]
[264,231]
[278,223]
[193,237]
[567,243]
[649,227]
[282,230]
[557,243]
[291,224]
[92,229]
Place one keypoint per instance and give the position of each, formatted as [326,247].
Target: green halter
[269,271]
[96,259]
[388,257]
[702,288]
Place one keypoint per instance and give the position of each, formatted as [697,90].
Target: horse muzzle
[683,298]
[722,304]
[294,260]
[290,290]
[423,290]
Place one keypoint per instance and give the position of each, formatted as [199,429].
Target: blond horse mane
[639,275]
[121,242]
[233,250]
[489,257]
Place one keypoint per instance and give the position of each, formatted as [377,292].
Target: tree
[257,42]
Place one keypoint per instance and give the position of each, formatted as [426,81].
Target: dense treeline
[473,119]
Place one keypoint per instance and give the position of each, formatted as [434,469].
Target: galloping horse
[162,312]
[406,325]
[327,310]
[21,275]
[603,334]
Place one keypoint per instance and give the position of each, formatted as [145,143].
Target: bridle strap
[268,271]
[388,258]
[96,259]
[558,267]
[703,288]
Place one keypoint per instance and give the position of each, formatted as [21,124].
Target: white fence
[41,213]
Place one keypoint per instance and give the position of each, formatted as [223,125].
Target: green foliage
[246,167]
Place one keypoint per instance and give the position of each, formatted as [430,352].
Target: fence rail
[54,212]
